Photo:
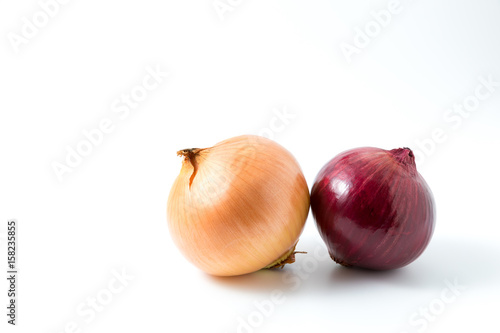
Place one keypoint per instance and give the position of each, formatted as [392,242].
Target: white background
[228,75]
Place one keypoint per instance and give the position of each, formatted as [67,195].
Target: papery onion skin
[373,209]
[242,209]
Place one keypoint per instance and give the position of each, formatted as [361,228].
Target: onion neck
[405,157]
[190,157]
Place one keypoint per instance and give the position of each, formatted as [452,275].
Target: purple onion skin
[373,209]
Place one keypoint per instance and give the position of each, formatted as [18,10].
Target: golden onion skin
[238,206]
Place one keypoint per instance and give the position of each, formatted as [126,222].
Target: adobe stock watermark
[31,26]
[90,308]
[122,106]
[282,117]
[454,117]
[292,279]
[223,7]
[365,35]
[429,313]
[219,177]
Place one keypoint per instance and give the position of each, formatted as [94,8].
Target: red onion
[373,209]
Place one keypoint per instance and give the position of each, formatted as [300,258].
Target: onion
[373,209]
[238,206]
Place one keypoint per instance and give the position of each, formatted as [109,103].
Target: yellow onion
[238,206]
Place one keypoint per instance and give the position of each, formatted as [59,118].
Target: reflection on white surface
[226,78]
[389,301]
